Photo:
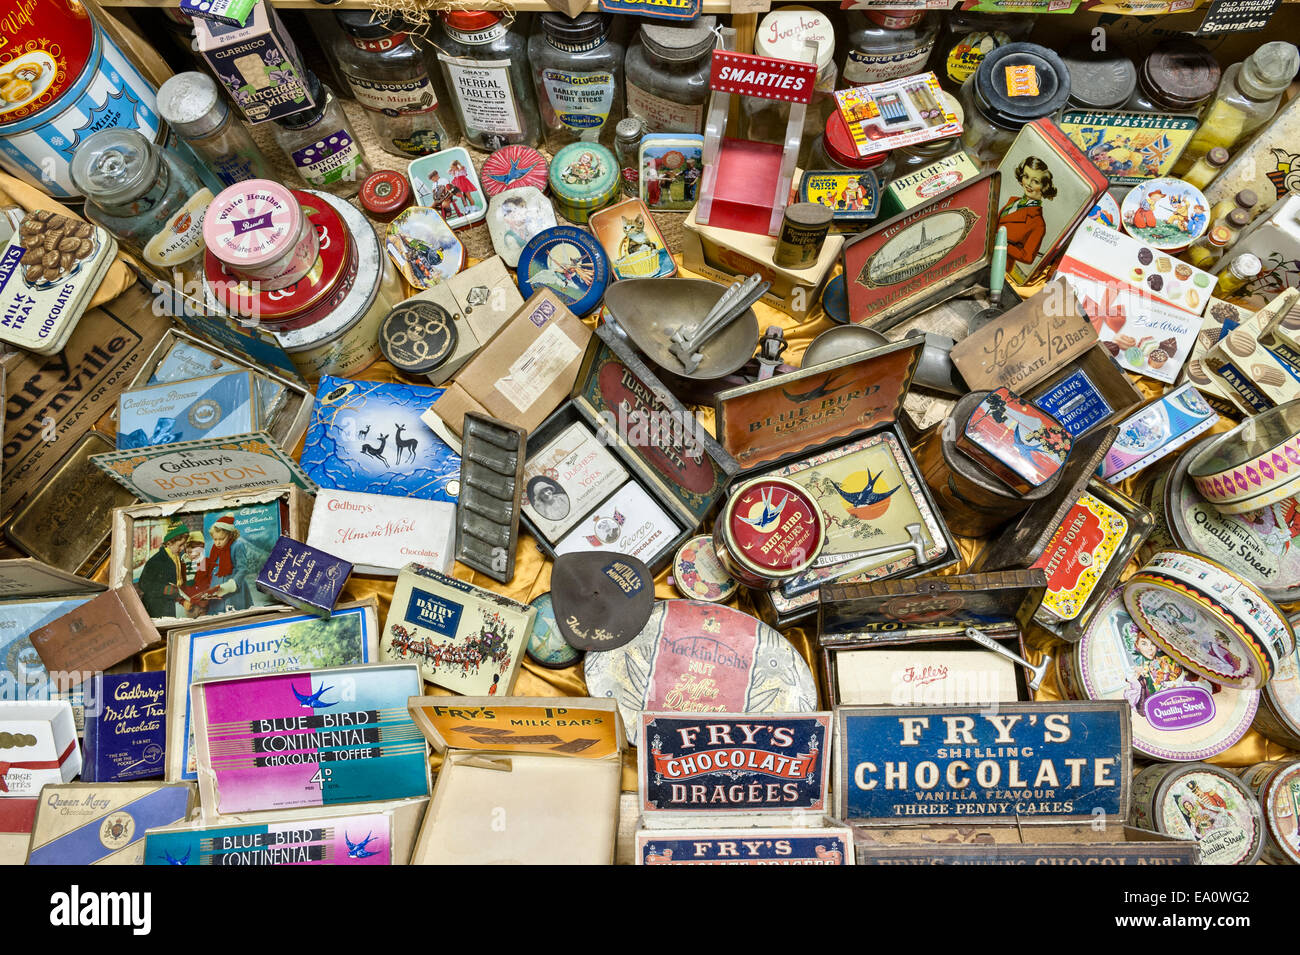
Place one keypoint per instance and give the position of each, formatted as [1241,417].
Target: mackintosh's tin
[1252,466]
[769,530]
[699,575]
[1209,619]
[1279,707]
[1177,715]
[1277,786]
[1202,802]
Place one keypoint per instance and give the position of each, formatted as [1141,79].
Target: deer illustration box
[367,436]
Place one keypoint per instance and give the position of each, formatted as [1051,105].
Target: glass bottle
[391,79]
[192,106]
[485,64]
[885,44]
[321,143]
[784,33]
[150,200]
[968,37]
[627,145]
[1206,168]
[668,74]
[577,68]
[1247,98]
[1209,248]
[1244,200]
[1243,269]
[1177,76]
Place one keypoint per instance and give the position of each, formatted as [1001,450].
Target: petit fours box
[257,62]
[1023,446]
[380,534]
[126,727]
[304,577]
[102,824]
[464,638]
[551,767]
[42,746]
[110,628]
[1158,428]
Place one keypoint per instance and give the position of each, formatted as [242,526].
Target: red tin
[769,530]
[1016,442]
[384,194]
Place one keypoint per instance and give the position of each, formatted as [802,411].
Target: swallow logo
[314,700]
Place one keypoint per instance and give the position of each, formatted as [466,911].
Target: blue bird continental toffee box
[367,436]
[1015,763]
[735,770]
[829,845]
[103,824]
[126,727]
[305,578]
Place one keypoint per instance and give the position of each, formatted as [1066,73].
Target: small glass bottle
[485,64]
[321,143]
[668,74]
[1209,248]
[968,37]
[1247,97]
[886,44]
[1206,168]
[390,78]
[192,106]
[627,145]
[1176,77]
[577,67]
[784,33]
[1014,85]
[150,200]
[1243,269]
[1244,200]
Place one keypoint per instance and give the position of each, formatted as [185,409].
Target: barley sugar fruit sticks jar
[1202,802]
[1277,786]
[769,530]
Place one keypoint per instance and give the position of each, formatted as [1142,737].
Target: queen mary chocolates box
[524,780]
[310,738]
[463,637]
[824,845]
[100,824]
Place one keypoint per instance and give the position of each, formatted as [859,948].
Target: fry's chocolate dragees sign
[762,76]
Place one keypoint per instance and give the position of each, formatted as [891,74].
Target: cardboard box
[126,727]
[257,62]
[1090,392]
[1257,377]
[305,578]
[823,844]
[43,746]
[108,629]
[380,534]
[1156,429]
[116,814]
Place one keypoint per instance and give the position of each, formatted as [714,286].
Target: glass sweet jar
[577,69]
[668,74]
[484,60]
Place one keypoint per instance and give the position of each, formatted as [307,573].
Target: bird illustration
[314,701]
[821,391]
[172,860]
[770,514]
[513,174]
[867,503]
[357,850]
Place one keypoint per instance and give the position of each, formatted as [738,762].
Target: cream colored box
[1258,378]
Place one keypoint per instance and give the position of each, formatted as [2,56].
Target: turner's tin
[1202,802]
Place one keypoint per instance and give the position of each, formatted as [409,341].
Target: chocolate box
[110,628]
[1258,377]
[1027,843]
[304,577]
[103,824]
[1090,392]
[126,727]
[823,844]
[380,534]
[41,746]
[1158,428]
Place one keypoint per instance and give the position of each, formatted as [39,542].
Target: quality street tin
[1177,715]
[1252,466]
[699,575]
[769,530]
[1202,802]
[1209,619]
[1277,786]
[1279,708]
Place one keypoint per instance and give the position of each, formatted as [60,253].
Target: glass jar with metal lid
[1177,76]
[911,158]
[1016,84]
[1099,80]
[484,61]
[968,37]
[885,44]
[577,67]
[835,149]
[321,143]
[192,106]
[668,74]
[784,33]
[391,79]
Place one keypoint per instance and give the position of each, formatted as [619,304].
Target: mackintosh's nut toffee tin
[1277,786]
[769,530]
[1202,802]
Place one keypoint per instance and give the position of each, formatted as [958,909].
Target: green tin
[584,177]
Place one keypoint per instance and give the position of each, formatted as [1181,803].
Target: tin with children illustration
[446,181]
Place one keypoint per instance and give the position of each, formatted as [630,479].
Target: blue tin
[959,764]
[828,846]
[569,262]
[1076,403]
[546,645]
[126,727]
[835,300]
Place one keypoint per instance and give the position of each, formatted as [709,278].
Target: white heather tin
[259,232]
[1202,802]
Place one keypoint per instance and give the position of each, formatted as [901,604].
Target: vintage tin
[74,80]
[258,231]
[1025,843]
[1022,445]
[769,530]
[514,217]
[512,167]
[1279,708]
[583,177]
[852,197]
[417,336]
[631,239]
[1088,393]
[1155,430]
[1202,802]
[487,518]
[1209,619]
[1177,715]
[692,654]
[920,186]
[822,845]
[423,247]
[569,262]
[672,167]
[446,181]
[1168,214]
[1253,466]
[803,233]
[546,645]
[698,574]
[384,194]
[1277,786]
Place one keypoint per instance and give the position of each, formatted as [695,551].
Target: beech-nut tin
[1202,802]
[769,530]
[1277,786]
[259,233]
[583,178]
[1209,619]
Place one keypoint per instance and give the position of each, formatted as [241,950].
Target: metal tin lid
[1255,464]
[835,300]
[423,247]
[1277,786]
[512,166]
[1177,715]
[189,103]
[1211,805]
[1099,80]
[1217,156]
[1020,82]
[699,575]
[584,30]
[601,600]
[1180,72]
[774,529]
[568,261]
[65,29]
[365,25]
[584,176]
[783,33]
[809,215]
[546,645]
[114,166]
[1152,212]
[679,41]
[840,147]
[840,342]
[385,193]
[417,336]
[468,21]
[252,223]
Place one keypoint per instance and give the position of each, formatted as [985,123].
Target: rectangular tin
[1022,445]
[492,458]
[1025,844]
[852,197]
[173,472]
[822,845]
[380,533]
[1088,393]
[1155,430]
[672,166]
[631,238]
[897,112]
[942,175]
[1026,761]
[99,824]
[1129,147]
[126,727]
[215,406]
[106,630]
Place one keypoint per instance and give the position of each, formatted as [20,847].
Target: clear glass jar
[391,79]
[885,44]
[995,113]
[1177,76]
[484,62]
[908,159]
[577,67]
[968,37]
[784,33]
[321,143]
[1242,270]
[192,106]
[150,200]
[668,75]
[627,145]
[834,149]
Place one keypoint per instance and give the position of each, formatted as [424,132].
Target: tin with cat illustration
[635,246]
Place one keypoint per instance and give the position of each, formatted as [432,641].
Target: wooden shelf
[531,6]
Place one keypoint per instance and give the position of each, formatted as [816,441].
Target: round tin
[513,166]
[569,262]
[1099,80]
[417,336]
[546,646]
[583,177]
[1106,211]
[1209,619]
[694,655]
[842,150]
[1276,785]
[423,247]
[835,300]
[1164,214]
[384,194]
[258,232]
[1255,464]
[1257,544]
[699,575]
[1279,708]
[1177,715]
[1202,802]
[1019,82]
[1180,73]
[769,530]
[803,233]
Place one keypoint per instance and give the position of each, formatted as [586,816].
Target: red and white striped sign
[762,76]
